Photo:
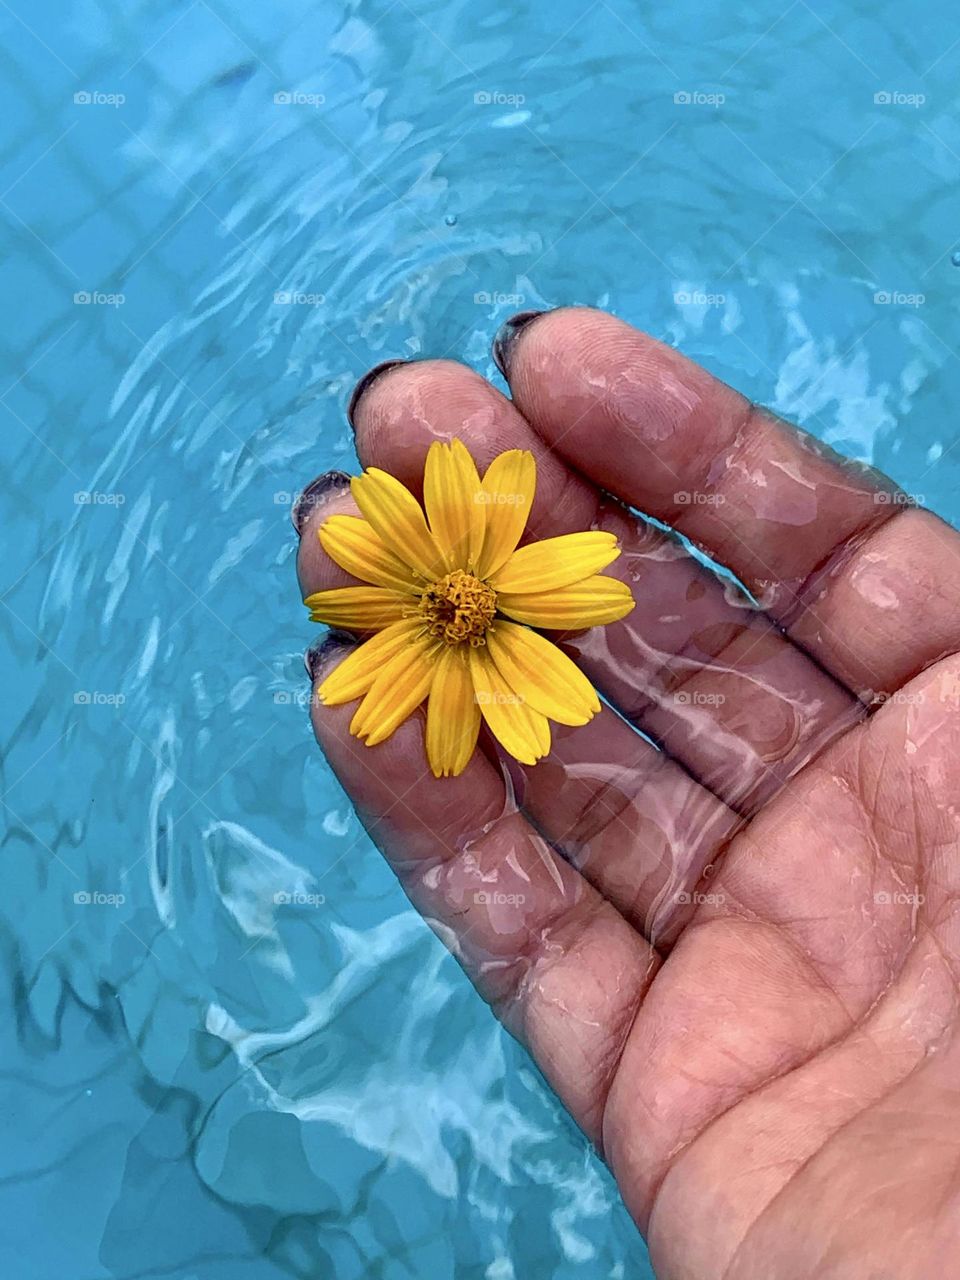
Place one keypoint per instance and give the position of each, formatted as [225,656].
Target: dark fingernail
[316,494]
[322,651]
[506,337]
[364,385]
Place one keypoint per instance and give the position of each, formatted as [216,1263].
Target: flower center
[458,608]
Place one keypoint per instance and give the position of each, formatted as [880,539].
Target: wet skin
[736,959]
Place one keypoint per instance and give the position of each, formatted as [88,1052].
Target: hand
[736,959]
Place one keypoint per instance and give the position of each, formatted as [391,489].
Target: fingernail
[324,650]
[316,494]
[506,337]
[364,385]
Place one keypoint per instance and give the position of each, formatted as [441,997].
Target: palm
[733,958]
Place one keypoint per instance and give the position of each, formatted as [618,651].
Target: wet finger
[827,545]
[557,962]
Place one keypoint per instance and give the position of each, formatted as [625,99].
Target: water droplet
[451,219]
[955,258]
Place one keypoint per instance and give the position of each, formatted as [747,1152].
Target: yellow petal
[546,678]
[356,673]
[591,603]
[398,518]
[453,715]
[556,562]
[358,608]
[453,500]
[508,487]
[354,545]
[516,726]
[398,690]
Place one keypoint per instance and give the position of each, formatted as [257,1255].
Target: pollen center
[458,608]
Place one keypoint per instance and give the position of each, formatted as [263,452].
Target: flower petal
[355,546]
[358,608]
[509,484]
[591,603]
[453,714]
[556,562]
[397,692]
[547,679]
[520,729]
[356,673]
[398,518]
[453,499]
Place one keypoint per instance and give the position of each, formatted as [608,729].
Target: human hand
[736,959]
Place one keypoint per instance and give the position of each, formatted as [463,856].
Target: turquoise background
[198,1082]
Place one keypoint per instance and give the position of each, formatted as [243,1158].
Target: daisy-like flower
[451,605]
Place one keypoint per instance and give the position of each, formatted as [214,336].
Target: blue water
[198,1083]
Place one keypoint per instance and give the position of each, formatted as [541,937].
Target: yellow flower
[451,602]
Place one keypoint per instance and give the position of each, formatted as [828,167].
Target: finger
[826,544]
[558,964]
[634,823]
[631,821]
[696,667]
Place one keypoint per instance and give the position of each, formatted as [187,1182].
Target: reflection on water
[230,1048]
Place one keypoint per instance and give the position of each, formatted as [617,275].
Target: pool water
[230,1051]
